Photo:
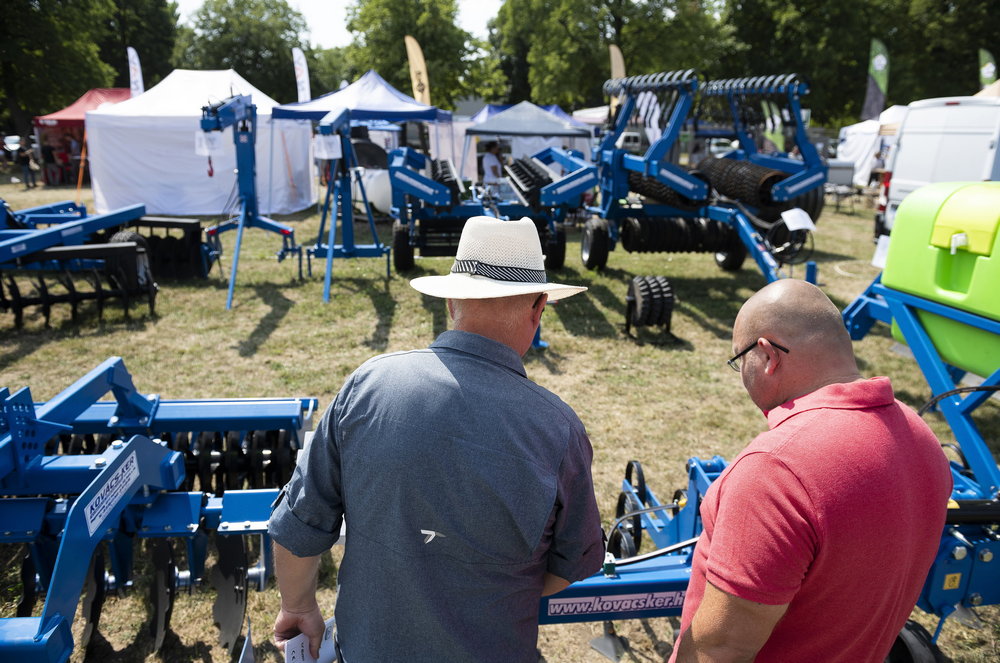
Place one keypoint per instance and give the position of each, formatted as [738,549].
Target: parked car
[950,139]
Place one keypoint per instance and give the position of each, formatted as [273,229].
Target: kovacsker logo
[588,605]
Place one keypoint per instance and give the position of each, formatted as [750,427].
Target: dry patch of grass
[657,399]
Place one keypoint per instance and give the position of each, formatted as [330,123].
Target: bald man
[819,535]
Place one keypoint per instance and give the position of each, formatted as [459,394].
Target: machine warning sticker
[589,605]
[107,498]
[952,580]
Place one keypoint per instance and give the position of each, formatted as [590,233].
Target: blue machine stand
[240,113]
[338,203]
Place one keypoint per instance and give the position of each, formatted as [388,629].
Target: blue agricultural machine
[430,203]
[335,129]
[89,485]
[729,206]
[58,254]
[938,294]
[240,113]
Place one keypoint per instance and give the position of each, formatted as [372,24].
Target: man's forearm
[690,652]
[296,579]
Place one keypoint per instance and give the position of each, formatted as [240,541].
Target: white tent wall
[143,151]
[858,144]
[446,139]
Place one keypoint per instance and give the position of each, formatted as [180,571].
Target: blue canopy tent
[368,99]
[524,119]
[489,110]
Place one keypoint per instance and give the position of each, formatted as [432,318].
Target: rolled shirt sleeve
[577,547]
[763,539]
[308,513]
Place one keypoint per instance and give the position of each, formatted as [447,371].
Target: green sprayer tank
[945,248]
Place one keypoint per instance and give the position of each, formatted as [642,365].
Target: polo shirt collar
[857,395]
[487,348]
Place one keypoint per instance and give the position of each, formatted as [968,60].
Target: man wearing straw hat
[466,488]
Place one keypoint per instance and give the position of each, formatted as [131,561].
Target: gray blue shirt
[462,483]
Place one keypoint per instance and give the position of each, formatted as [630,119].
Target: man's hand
[289,624]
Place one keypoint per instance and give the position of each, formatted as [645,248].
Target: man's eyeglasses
[734,362]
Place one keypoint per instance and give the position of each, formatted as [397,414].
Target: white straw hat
[495,259]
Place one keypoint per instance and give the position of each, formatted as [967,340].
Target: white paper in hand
[297,649]
[797,219]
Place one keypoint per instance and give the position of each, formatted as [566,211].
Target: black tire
[631,527]
[914,645]
[555,249]
[732,260]
[620,544]
[594,244]
[144,273]
[402,252]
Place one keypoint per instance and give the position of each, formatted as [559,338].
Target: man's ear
[538,307]
[774,357]
[451,309]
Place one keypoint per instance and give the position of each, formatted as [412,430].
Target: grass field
[652,397]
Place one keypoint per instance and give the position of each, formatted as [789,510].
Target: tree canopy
[547,51]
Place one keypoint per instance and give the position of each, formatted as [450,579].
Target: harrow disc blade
[29,589]
[229,577]
[162,590]
[94,593]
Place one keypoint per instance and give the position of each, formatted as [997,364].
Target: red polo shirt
[837,510]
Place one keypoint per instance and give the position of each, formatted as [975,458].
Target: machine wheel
[732,260]
[594,244]
[94,592]
[555,249]
[229,578]
[650,301]
[634,467]
[620,544]
[631,526]
[162,589]
[914,645]
[402,252]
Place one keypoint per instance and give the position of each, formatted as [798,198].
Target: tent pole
[270,168]
[83,161]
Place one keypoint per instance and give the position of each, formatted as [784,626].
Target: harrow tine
[94,593]
[162,590]
[29,588]
[229,577]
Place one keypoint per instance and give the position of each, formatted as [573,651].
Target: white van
[951,139]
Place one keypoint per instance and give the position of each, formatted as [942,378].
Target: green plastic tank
[944,248]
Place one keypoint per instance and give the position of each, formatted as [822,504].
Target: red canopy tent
[63,131]
[72,115]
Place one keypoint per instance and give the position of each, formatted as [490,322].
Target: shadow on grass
[710,303]
[547,357]
[384,303]
[581,317]
[29,339]
[439,314]
[280,305]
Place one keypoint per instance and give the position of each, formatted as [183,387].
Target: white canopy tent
[859,143]
[143,150]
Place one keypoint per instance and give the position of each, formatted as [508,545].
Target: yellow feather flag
[418,71]
[617,69]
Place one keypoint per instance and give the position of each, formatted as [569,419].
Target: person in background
[25,159]
[492,168]
[819,535]
[52,172]
[466,487]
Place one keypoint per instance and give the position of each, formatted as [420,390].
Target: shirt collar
[857,395]
[487,348]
